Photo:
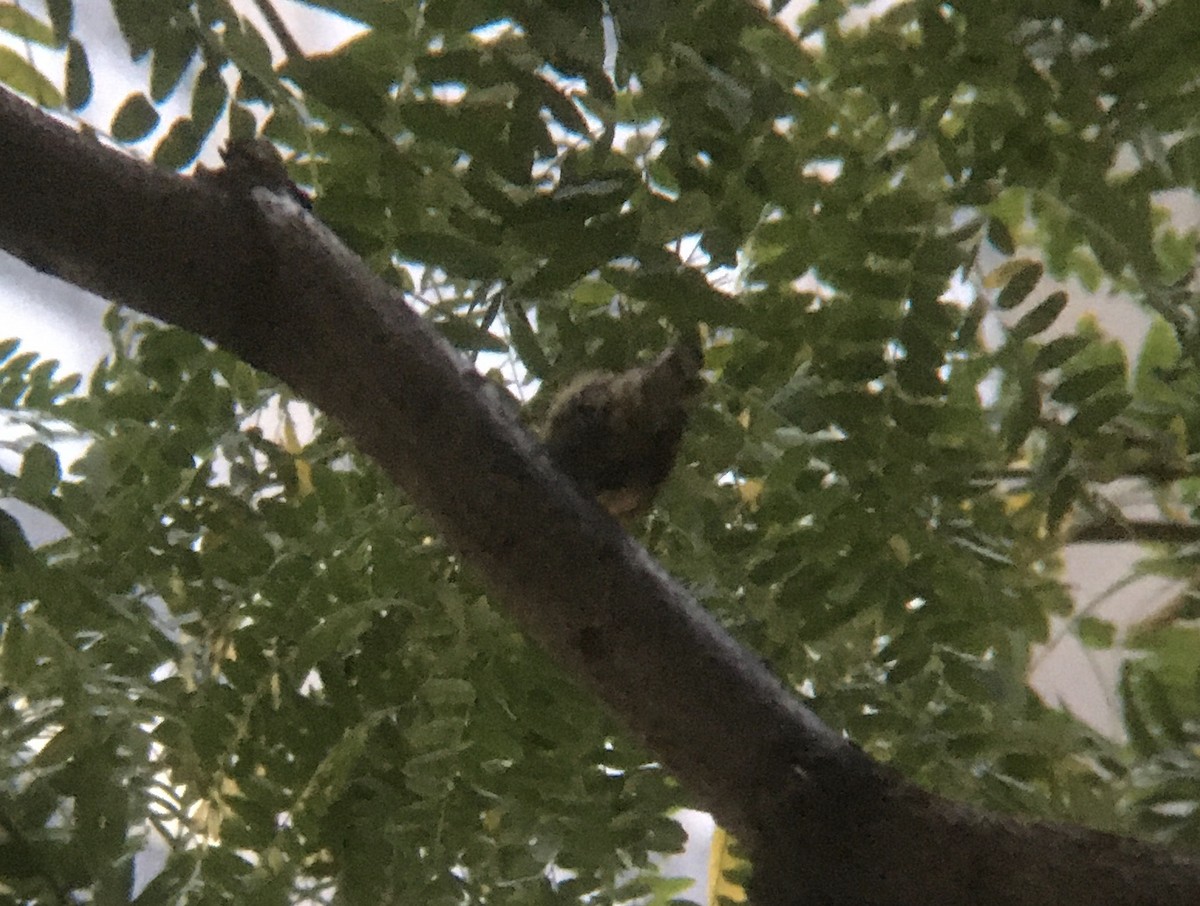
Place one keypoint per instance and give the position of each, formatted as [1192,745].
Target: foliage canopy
[252,646]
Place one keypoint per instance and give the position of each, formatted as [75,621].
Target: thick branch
[269,283]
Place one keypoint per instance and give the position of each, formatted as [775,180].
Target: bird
[617,434]
[251,162]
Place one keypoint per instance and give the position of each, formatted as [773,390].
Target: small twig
[280,30]
[1143,530]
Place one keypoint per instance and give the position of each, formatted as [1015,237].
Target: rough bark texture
[266,281]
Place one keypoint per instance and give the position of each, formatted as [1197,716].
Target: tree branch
[1143,530]
[269,283]
[279,28]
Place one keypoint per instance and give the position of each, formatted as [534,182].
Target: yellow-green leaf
[20,75]
[20,24]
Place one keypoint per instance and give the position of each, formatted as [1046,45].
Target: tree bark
[261,278]
[1110,531]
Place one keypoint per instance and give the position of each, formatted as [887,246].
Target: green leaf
[1020,285]
[209,98]
[1136,728]
[79,76]
[999,236]
[242,124]
[179,146]
[1160,351]
[1021,416]
[14,550]
[1096,633]
[342,82]
[775,49]
[580,251]
[334,771]
[135,119]
[448,692]
[336,632]
[456,254]
[1062,498]
[1176,253]
[966,230]
[1156,696]
[172,54]
[684,296]
[21,24]
[1098,410]
[19,74]
[439,733]
[62,16]
[1082,386]
[465,333]
[525,340]
[141,24]
[40,473]
[250,51]
[1058,352]
[42,390]
[1041,317]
